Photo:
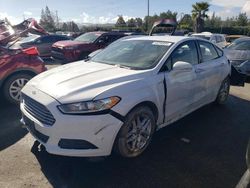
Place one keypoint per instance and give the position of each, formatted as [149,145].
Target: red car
[82,46]
[18,66]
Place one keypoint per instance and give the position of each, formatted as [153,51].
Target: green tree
[120,21]
[213,21]
[138,22]
[168,15]
[64,27]
[73,27]
[199,14]
[242,19]
[186,22]
[47,20]
[131,22]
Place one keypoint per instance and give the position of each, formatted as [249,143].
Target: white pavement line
[244,181]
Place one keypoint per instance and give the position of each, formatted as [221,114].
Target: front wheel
[136,133]
[223,92]
[13,86]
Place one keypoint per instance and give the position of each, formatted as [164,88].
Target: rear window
[208,51]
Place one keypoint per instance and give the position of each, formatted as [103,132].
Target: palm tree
[199,14]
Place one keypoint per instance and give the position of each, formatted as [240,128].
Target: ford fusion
[116,100]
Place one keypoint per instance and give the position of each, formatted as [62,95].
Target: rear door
[211,71]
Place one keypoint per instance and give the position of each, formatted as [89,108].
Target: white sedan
[117,99]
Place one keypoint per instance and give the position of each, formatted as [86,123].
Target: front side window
[135,54]
[208,51]
[186,52]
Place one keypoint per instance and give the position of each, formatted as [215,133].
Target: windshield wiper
[123,66]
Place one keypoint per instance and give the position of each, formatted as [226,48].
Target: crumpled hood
[82,81]
[67,43]
[237,54]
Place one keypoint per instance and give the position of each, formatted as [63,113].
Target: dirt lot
[214,158]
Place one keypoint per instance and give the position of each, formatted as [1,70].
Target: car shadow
[205,149]
[10,128]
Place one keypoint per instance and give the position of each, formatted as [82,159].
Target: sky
[106,11]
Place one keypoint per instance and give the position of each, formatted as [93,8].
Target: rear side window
[218,39]
[208,51]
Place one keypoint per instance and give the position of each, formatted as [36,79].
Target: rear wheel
[136,133]
[223,92]
[13,86]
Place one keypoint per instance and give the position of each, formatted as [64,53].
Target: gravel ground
[214,157]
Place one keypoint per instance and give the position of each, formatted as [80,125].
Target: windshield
[239,44]
[202,37]
[87,37]
[135,54]
[29,38]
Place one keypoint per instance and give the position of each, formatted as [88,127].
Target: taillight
[31,51]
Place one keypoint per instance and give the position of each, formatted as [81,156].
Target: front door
[182,86]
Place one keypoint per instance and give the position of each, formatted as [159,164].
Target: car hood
[82,81]
[237,54]
[68,43]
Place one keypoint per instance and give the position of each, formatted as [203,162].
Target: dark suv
[82,46]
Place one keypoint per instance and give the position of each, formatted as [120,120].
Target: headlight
[89,106]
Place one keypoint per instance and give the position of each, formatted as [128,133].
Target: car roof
[207,34]
[243,39]
[172,39]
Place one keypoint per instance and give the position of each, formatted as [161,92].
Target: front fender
[132,93]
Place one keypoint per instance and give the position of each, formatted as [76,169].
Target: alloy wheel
[16,87]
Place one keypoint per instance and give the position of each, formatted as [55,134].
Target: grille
[38,111]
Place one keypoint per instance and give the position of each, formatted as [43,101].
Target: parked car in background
[82,46]
[120,97]
[42,43]
[17,66]
[218,39]
[238,52]
[231,38]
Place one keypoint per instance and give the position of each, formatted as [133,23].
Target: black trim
[85,114]
[198,51]
[117,115]
[76,144]
[165,99]
[104,112]
[30,125]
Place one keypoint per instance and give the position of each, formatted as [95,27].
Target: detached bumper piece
[75,144]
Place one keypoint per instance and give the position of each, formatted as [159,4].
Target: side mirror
[182,66]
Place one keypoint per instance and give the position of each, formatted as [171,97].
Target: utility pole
[147,24]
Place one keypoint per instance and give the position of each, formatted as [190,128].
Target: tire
[13,85]
[223,92]
[133,138]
